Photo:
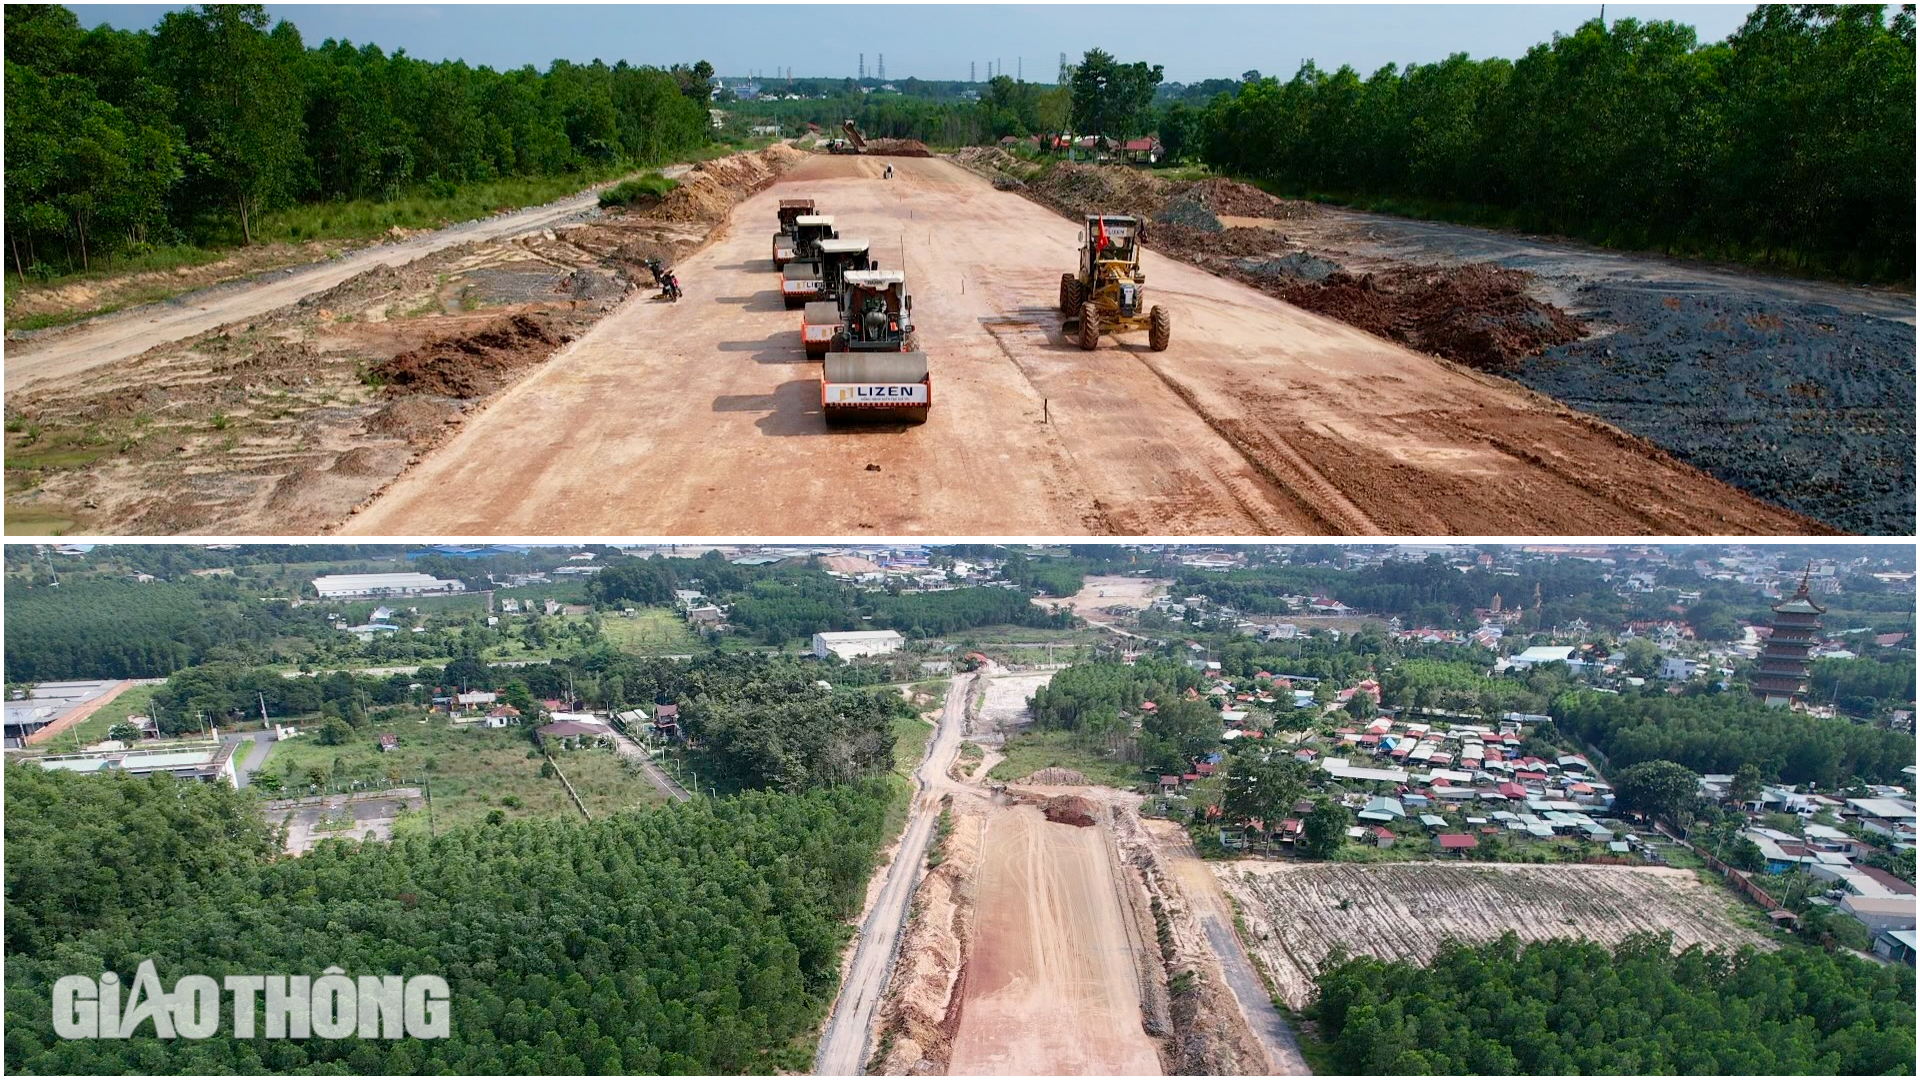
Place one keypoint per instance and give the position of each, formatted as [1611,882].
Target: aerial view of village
[984,809]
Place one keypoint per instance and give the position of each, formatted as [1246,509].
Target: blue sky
[937,41]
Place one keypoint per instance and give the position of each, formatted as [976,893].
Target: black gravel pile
[1801,404]
[1299,265]
[1187,211]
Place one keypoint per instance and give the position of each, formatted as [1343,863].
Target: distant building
[207,763]
[341,586]
[852,643]
[1780,675]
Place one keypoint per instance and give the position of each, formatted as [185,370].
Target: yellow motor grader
[1108,295]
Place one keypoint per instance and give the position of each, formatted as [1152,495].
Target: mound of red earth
[470,365]
[1479,314]
[1234,199]
[1069,810]
[898,147]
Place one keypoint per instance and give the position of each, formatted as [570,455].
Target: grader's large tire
[1069,293]
[1089,326]
[1159,329]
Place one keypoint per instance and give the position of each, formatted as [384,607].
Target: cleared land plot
[1405,910]
[1050,987]
[1099,595]
[472,770]
[1006,701]
[653,631]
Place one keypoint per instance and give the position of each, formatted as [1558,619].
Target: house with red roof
[1455,843]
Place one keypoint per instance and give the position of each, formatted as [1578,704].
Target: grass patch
[428,206]
[33,521]
[1032,750]
[910,737]
[472,770]
[606,783]
[644,189]
[652,631]
[136,700]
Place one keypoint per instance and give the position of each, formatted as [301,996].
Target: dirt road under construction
[129,333]
[703,417]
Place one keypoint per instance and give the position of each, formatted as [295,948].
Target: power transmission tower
[1019,69]
[1063,69]
[880,64]
[971,72]
[863,65]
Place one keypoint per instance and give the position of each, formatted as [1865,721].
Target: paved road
[845,1044]
[262,743]
[134,331]
[633,751]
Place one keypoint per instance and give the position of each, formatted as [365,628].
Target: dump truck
[800,278]
[873,368]
[854,143]
[790,210]
[822,315]
[1108,293]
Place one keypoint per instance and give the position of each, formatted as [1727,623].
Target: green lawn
[472,770]
[653,631]
[1033,750]
[94,728]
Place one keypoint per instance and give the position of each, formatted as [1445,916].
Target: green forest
[121,142]
[697,937]
[778,604]
[1792,142]
[115,628]
[1718,733]
[1573,1007]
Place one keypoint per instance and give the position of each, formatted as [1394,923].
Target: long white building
[848,644]
[343,586]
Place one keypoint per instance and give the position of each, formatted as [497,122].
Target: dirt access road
[134,331]
[1209,904]
[845,1041]
[1261,419]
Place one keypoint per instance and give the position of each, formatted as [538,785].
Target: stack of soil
[1234,199]
[1479,314]
[707,194]
[1054,776]
[898,147]
[1069,810]
[470,365]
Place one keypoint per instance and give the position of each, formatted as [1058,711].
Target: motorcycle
[665,278]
